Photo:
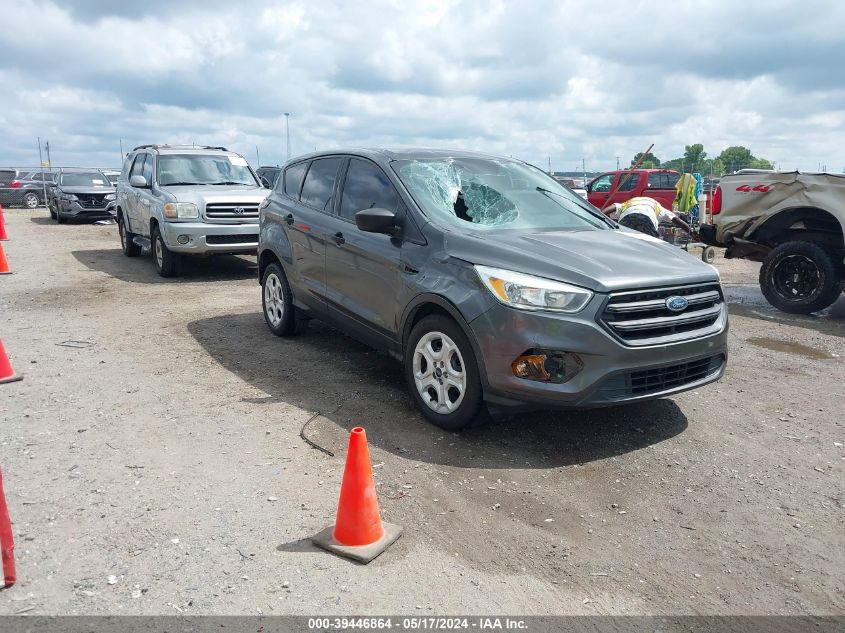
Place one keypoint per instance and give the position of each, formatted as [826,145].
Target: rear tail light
[716,205]
[15,184]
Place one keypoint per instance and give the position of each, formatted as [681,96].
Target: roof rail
[167,146]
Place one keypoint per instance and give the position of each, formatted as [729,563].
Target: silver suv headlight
[110,196]
[186,210]
[527,292]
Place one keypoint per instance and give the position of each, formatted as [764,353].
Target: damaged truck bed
[793,223]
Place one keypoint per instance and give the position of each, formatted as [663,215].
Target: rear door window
[662,180]
[293,179]
[629,182]
[318,188]
[366,187]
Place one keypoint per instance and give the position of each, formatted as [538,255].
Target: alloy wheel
[274,300]
[439,372]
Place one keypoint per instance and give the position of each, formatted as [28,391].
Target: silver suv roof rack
[158,146]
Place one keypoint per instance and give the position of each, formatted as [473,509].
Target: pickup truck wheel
[130,248]
[30,200]
[165,261]
[708,254]
[442,373]
[277,301]
[800,278]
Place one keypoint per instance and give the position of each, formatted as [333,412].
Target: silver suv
[186,200]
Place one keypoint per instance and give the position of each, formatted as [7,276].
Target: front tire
[165,261]
[800,278]
[130,248]
[442,373]
[277,302]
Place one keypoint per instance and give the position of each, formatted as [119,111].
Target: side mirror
[138,181]
[376,221]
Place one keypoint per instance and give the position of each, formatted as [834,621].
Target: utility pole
[257,157]
[550,165]
[584,169]
[122,155]
[43,182]
[617,163]
[49,162]
[287,131]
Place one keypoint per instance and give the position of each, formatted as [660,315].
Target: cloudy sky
[560,80]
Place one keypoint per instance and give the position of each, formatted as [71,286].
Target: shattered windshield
[490,193]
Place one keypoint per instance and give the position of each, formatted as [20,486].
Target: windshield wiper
[592,212]
[178,184]
[230,182]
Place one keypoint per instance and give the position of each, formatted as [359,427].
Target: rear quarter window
[662,181]
[292,180]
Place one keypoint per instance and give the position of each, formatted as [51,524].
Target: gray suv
[488,280]
[185,200]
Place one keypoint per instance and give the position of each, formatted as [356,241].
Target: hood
[202,194]
[88,190]
[601,260]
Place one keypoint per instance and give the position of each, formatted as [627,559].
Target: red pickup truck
[654,183]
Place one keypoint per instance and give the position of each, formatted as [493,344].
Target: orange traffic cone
[4,265]
[6,372]
[358,532]
[7,541]
[3,235]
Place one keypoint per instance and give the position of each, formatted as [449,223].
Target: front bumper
[205,239]
[72,209]
[612,372]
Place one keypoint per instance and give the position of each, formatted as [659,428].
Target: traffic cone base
[361,553]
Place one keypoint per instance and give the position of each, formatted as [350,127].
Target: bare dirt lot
[153,463]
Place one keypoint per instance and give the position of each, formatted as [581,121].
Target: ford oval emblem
[676,304]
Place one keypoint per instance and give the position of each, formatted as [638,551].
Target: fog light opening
[183,239]
[546,366]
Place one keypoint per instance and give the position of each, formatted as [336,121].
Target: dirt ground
[153,464]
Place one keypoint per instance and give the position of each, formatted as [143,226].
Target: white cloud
[566,80]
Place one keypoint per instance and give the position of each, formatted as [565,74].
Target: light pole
[287,131]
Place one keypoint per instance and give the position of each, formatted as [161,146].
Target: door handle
[289,218]
[338,238]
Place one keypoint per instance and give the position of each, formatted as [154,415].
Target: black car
[22,188]
[270,174]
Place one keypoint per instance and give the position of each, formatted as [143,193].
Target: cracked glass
[489,193]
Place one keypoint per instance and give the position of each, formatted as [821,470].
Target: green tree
[649,162]
[736,157]
[761,163]
[694,156]
[676,163]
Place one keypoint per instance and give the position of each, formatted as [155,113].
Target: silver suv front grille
[641,317]
[243,211]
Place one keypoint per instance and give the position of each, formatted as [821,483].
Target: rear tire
[708,254]
[165,261]
[800,278]
[130,248]
[30,201]
[442,373]
[277,302]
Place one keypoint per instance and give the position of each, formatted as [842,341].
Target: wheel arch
[427,304]
[818,225]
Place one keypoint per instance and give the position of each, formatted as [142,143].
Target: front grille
[232,211]
[91,200]
[660,379]
[640,317]
[242,238]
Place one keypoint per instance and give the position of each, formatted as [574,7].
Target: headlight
[181,210]
[69,196]
[110,196]
[527,292]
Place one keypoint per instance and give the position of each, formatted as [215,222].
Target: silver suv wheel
[157,252]
[439,372]
[274,301]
